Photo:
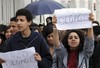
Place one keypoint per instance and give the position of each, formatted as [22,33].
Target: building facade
[8,8]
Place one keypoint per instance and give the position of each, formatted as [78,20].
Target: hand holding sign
[2,61]
[19,59]
[37,57]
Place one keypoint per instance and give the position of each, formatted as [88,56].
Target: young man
[13,25]
[26,38]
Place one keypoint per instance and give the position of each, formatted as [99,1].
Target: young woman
[79,48]
[52,37]
[7,32]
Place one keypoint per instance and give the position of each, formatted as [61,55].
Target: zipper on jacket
[29,43]
[82,62]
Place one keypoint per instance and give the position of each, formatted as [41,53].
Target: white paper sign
[72,18]
[19,59]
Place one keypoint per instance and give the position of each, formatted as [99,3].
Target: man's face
[23,24]
[14,27]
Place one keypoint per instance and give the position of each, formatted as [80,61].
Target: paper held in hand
[19,59]
[72,18]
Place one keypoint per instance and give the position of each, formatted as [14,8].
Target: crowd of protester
[54,48]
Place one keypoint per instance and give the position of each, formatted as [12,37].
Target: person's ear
[30,22]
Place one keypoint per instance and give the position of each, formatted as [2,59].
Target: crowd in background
[59,49]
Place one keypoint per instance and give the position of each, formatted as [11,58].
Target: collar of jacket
[19,36]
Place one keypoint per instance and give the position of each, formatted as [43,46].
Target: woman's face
[73,40]
[8,33]
[50,39]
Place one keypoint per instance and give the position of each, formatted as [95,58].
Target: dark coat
[95,59]
[36,40]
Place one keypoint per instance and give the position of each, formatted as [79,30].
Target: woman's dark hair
[2,28]
[26,13]
[49,20]
[3,38]
[47,30]
[8,27]
[81,36]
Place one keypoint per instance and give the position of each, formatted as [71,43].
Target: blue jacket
[36,40]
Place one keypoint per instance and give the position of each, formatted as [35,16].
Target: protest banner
[72,18]
[19,59]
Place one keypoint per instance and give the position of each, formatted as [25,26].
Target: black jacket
[36,40]
[95,59]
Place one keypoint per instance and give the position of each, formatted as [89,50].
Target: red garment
[72,60]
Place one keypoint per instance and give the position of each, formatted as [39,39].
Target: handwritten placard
[72,18]
[19,59]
